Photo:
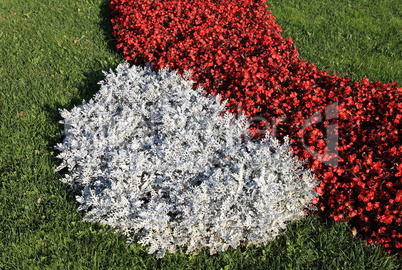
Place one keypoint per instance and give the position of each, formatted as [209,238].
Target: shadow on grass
[106,25]
[90,84]
[86,90]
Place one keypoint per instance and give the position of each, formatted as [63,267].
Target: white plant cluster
[157,160]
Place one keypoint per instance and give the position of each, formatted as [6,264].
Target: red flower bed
[349,132]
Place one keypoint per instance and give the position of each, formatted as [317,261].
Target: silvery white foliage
[155,159]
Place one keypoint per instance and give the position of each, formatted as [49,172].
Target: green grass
[43,69]
[350,38]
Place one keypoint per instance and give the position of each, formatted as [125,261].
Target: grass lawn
[51,56]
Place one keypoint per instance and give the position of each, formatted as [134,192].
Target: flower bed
[235,49]
[157,160]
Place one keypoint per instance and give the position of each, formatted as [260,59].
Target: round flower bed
[166,166]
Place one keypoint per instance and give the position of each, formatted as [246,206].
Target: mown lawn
[52,54]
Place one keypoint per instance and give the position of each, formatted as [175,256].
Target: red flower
[399,168]
[398,197]
[386,219]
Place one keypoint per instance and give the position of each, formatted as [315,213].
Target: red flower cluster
[349,132]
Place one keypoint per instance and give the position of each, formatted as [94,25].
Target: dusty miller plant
[163,164]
